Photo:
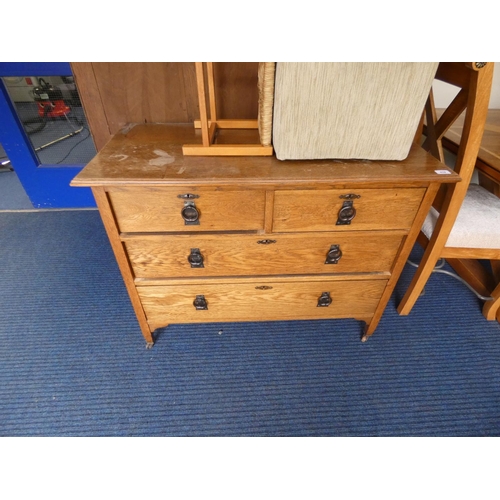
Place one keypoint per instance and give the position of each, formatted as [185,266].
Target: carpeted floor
[73,361]
[12,194]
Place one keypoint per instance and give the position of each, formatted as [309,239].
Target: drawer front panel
[243,255]
[161,209]
[255,302]
[375,209]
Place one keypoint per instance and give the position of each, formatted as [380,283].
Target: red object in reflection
[53,109]
[50,101]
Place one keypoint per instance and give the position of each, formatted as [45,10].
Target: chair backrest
[474,83]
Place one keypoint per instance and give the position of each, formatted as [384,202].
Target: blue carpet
[73,361]
[12,194]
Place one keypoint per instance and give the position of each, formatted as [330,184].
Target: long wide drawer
[157,256]
[150,209]
[345,209]
[269,300]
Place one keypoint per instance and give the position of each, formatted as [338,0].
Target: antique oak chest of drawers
[217,239]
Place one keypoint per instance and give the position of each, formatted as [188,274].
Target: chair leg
[433,250]
[422,274]
[495,266]
[475,274]
[491,308]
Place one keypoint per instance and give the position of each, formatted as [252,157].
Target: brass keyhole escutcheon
[188,196]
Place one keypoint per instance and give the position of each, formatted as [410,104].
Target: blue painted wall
[47,186]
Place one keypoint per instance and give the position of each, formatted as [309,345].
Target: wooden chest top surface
[151,154]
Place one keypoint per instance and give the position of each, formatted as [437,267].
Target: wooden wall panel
[146,92]
[92,104]
[115,94]
[236,90]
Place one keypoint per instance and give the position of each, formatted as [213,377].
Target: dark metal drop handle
[195,258]
[334,254]
[325,300]
[190,214]
[346,213]
[200,303]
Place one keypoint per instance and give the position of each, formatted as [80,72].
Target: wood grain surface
[376,209]
[117,93]
[248,302]
[152,154]
[157,256]
[156,209]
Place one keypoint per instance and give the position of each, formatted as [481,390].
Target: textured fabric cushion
[477,224]
[348,110]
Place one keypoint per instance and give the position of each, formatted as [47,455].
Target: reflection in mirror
[52,116]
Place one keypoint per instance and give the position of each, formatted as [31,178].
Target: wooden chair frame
[474,81]
[209,127]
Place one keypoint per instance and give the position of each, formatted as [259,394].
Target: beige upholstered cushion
[477,224]
[348,110]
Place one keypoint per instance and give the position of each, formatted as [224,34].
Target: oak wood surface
[402,257]
[247,302]
[209,125]
[121,257]
[152,154]
[227,150]
[475,274]
[455,73]
[470,253]
[152,209]
[141,171]
[298,210]
[157,256]
[262,279]
[116,93]
[477,85]
[491,308]
[488,169]
[93,106]
[268,220]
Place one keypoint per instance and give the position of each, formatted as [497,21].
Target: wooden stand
[209,127]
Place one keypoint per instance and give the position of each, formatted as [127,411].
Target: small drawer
[187,209]
[269,300]
[345,209]
[164,256]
